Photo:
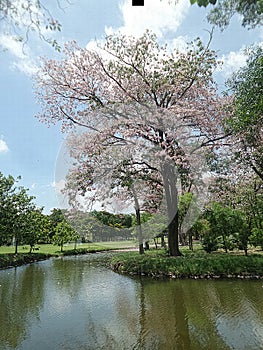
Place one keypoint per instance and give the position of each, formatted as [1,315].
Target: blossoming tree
[133,93]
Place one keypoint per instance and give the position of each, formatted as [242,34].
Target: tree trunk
[182,237]
[173,243]
[171,193]
[16,245]
[139,231]
[138,221]
[224,243]
[190,240]
[245,250]
[163,241]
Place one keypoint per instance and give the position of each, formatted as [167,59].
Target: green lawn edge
[9,260]
[155,263]
[196,266]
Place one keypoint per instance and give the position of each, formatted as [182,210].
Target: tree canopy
[251,12]
[133,94]
[16,208]
[247,121]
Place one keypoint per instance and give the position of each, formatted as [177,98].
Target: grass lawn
[54,249]
[44,251]
[155,263]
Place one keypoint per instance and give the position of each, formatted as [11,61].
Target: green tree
[64,234]
[7,188]
[251,12]
[256,238]
[56,216]
[15,208]
[247,121]
[227,227]
[20,208]
[36,228]
[188,213]
[203,2]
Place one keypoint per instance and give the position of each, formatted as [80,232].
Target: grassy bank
[154,263]
[191,265]
[45,251]
[10,260]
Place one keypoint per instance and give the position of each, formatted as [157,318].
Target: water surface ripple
[76,303]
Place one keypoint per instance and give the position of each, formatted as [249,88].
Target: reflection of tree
[117,312]
[167,323]
[189,314]
[21,297]
[209,303]
[68,273]
[101,338]
[201,298]
[142,317]
[156,318]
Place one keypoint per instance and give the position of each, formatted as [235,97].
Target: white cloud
[59,185]
[3,146]
[179,43]
[14,46]
[26,66]
[24,61]
[232,62]
[158,16]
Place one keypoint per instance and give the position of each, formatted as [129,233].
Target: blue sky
[28,147]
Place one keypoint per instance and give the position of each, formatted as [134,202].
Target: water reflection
[202,315]
[21,297]
[75,303]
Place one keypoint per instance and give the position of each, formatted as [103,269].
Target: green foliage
[198,265]
[6,191]
[210,242]
[203,2]
[152,225]
[35,228]
[228,228]
[247,121]
[7,260]
[200,228]
[64,233]
[188,211]
[113,220]
[256,239]
[56,216]
[220,15]
[247,85]
[250,12]
[15,210]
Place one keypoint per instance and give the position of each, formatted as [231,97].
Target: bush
[189,266]
[256,239]
[210,243]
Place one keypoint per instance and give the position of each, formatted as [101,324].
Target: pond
[76,303]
